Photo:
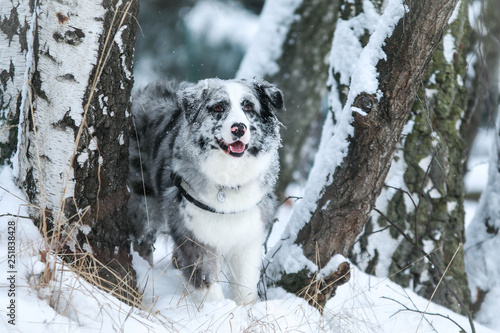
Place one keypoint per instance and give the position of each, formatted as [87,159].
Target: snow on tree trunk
[355,156]
[73,153]
[290,50]
[484,65]
[14,20]
[481,262]
[424,192]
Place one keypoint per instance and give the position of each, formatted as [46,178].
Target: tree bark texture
[433,152]
[345,205]
[14,25]
[483,94]
[303,71]
[74,149]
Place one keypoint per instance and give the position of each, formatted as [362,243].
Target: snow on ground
[69,304]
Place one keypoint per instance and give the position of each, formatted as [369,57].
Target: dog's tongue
[237,147]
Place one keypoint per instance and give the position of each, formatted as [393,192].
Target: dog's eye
[219,108]
[248,108]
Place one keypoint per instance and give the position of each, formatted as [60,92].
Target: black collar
[178,183]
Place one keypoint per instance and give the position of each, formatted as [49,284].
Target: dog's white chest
[225,232]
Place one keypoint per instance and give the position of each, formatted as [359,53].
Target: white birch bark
[62,48]
[14,23]
[74,105]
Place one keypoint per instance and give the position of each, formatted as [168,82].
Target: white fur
[238,242]
[200,296]
[231,171]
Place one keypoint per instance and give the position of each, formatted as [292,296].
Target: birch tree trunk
[14,24]
[331,224]
[73,153]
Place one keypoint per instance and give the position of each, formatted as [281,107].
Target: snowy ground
[365,304]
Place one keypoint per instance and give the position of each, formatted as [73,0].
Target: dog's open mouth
[236,149]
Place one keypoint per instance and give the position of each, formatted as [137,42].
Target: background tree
[199,39]
[74,122]
[482,266]
[291,53]
[484,66]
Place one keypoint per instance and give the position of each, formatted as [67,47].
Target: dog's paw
[244,296]
[200,296]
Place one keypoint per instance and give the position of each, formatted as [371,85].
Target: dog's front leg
[200,266]
[245,264]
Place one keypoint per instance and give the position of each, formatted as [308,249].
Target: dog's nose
[238,130]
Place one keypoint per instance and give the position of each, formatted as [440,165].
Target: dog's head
[235,116]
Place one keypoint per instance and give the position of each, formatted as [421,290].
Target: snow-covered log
[73,149]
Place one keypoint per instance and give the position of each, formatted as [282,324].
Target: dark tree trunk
[302,80]
[428,201]
[346,203]
[102,182]
[359,180]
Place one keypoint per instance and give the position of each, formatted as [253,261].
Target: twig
[415,307]
[291,197]
[423,313]
[437,286]
[420,196]
[15,196]
[16,216]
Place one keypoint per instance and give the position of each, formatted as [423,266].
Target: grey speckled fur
[178,129]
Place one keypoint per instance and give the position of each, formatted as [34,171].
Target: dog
[203,166]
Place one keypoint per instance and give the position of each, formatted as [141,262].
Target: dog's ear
[269,93]
[191,99]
